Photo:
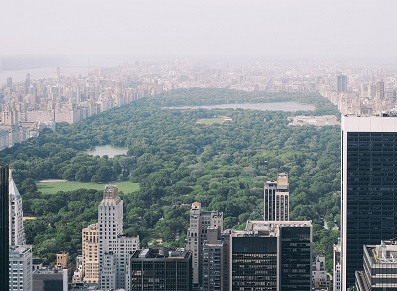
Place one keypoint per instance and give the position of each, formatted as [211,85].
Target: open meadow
[50,187]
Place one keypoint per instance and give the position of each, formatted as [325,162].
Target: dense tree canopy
[178,161]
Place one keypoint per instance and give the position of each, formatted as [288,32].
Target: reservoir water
[273,106]
[108,150]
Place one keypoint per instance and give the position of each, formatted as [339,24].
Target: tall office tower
[20,269]
[27,83]
[114,247]
[4,225]
[341,83]
[276,199]
[337,268]
[90,264]
[271,256]
[16,229]
[380,268]
[199,222]
[369,187]
[9,83]
[380,90]
[154,269]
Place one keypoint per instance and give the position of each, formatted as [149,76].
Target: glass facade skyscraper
[369,187]
[4,231]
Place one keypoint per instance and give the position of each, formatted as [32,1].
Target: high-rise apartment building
[20,268]
[4,225]
[114,247]
[197,233]
[213,260]
[276,199]
[271,256]
[20,255]
[16,229]
[90,263]
[369,188]
[341,83]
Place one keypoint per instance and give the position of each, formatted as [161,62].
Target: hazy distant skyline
[279,28]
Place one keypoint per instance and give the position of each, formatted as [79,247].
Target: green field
[214,120]
[54,187]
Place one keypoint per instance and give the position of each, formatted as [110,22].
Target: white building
[20,255]
[114,247]
[16,229]
[20,269]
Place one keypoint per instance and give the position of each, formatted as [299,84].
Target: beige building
[62,260]
[90,253]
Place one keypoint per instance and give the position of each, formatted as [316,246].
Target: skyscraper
[114,247]
[341,83]
[276,199]
[16,229]
[4,225]
[271,256]
[369,188]
[20,255]
[380,90]
[197,233]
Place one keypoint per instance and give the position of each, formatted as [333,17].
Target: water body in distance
[42,73]
[108,150]
[274,106]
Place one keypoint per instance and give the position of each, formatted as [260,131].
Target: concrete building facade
[200,220]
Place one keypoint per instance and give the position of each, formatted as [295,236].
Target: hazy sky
[202,27]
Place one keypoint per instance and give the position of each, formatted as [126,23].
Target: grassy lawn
[211,121]
[54,187]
